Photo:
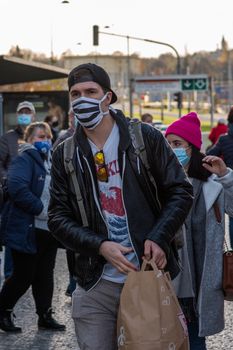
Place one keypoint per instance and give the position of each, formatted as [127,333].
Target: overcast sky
[192,25]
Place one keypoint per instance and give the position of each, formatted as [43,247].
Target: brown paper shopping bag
[150,317]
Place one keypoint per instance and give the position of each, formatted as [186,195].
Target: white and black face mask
[88,111]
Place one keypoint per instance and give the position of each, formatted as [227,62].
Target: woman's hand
[215,165]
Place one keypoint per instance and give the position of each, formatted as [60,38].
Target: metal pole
[178,67]
[129,81]
[211,88]
[229,78]
[162,108]
[172,47]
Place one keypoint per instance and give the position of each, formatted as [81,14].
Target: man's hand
[153,251]
[114,254]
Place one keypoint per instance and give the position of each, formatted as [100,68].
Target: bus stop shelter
[15,70]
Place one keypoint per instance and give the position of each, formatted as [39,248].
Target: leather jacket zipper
[98,206]
[123,172]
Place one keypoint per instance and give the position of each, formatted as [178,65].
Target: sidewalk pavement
[223,340]
[33,339]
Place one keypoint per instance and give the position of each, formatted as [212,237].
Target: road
[156,112]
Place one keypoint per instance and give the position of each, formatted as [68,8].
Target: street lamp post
[96,32]
[129,81]
[169,45]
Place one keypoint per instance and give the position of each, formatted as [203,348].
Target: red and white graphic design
[111,201]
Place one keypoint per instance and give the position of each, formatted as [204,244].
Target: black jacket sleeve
[4,154]
[64,218]
[216,150]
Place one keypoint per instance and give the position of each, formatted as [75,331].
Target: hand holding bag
[150,317]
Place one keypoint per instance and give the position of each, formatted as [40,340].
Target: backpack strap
[135,131]
[68,152]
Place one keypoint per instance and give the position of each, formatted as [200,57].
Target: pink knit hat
[188,127]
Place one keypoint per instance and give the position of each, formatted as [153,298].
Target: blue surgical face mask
[24,119]
[182,155]
[43,146]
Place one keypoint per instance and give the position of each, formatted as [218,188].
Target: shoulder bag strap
[135,131]
[68,157]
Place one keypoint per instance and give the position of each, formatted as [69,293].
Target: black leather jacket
[154,215]
[224,147]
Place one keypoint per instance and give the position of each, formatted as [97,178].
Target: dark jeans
[34,270]
[196,342]
[188,306]
[8,263]
[70,258]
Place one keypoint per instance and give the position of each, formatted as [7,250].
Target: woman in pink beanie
[199,285]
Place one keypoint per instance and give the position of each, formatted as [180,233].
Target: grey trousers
[95,315]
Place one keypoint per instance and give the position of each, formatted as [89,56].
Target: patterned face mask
[88,111]
[43,146]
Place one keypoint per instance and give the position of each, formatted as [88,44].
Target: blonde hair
[31,129]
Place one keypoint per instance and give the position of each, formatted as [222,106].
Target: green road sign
[200,84]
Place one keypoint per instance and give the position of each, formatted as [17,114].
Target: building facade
[119,67]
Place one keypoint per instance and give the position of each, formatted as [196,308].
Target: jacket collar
[211,191]
[80,137]
[19,130]
[33,153]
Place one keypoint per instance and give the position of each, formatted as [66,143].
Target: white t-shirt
[112,204]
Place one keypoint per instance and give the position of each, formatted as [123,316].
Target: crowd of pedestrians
[85,201]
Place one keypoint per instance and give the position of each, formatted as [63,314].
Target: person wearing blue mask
[24,230]
[199,285]
[9,144]
[10,141]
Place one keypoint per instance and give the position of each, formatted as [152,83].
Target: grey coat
[210,301]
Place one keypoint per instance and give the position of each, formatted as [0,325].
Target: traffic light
[178,99]
[95,35]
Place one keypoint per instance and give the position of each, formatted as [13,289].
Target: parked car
[159,125]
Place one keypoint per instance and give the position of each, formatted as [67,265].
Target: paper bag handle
[166,277]
[152,264]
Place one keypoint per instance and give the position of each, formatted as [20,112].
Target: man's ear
[109,97]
